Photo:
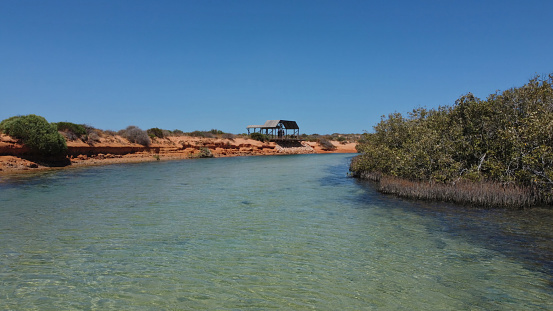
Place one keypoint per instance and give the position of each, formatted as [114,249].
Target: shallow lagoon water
[281,232]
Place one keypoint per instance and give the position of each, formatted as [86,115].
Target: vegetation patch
[326,144]
[135,135]
[205,153]
[259,137]
[342,138]
[202,134]
[36,133]
[93,134]
[228,136]
[155,132]
[71,130]
[505,141]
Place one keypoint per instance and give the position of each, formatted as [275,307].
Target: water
[257,233]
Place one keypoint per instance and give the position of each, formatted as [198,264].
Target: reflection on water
[287,232]
[524,234]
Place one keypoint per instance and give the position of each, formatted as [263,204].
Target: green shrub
[505,139]
[196,134]
[259,137]
[77,129]
[5,122]
[36,133]
[202,134]
[155,132]
[313,137]
[341,139]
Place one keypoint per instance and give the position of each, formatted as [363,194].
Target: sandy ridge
[15,157]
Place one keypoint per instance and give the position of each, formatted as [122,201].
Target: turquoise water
[257,233]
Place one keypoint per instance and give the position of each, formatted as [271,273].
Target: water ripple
[291,232]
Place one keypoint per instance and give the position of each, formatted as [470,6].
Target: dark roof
[270,124]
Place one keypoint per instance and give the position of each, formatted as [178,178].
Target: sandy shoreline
[15,158]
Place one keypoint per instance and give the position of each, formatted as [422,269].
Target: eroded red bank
[15,157]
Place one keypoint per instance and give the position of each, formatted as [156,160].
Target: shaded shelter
[277,129]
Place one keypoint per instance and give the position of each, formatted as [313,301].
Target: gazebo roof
[271,124]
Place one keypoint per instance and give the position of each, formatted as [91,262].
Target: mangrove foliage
[502,146]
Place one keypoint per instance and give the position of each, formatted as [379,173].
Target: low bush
[312,137]
[205,153]
[202,134]
[228,136]
[196,134]
[135,135]
[93,138]
[92,134]
[156,132]
[36,133]
[89,129]
[342,140]
[326,144]
[69,136]
[72,129]
[259,137]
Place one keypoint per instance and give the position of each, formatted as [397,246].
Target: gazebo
[277,129]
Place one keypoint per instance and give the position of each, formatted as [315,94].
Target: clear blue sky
[333,66]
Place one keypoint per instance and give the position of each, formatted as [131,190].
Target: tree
[36,133]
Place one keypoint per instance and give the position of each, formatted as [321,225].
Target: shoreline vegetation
[30,143]
[496,152]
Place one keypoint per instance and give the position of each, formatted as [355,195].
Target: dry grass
[135,135]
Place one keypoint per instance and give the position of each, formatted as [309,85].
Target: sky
[332,66]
